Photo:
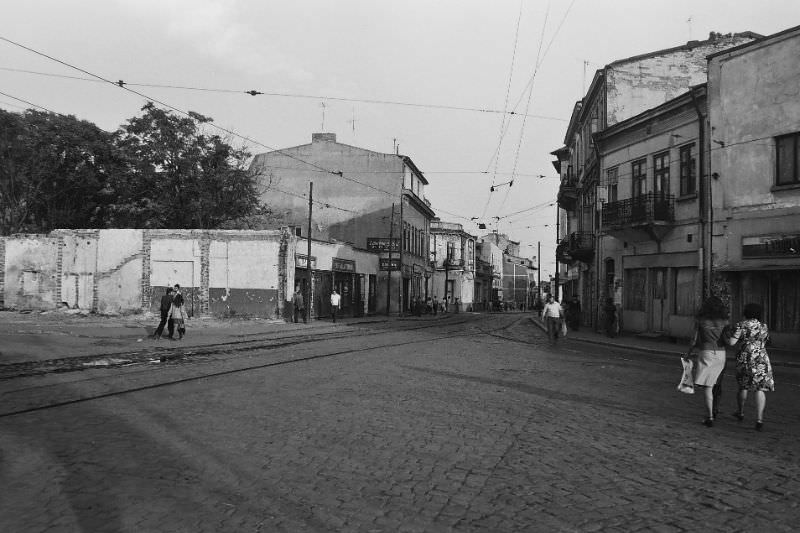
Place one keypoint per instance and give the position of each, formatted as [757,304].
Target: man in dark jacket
[166,303]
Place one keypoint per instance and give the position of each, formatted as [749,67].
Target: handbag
[687,378]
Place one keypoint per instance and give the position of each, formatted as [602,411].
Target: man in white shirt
[336,301]
[552,315]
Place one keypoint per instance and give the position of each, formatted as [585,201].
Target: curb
[656,351]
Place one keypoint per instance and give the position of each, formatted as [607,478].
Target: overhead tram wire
[505,102]
[323,204]
[122,85]
[30,104]
[530,81]
[537,63]
[253,92]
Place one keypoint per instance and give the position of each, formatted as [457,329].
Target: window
[612,178]
[688,172]
[451,250]
[661,173]
[788,159]
[638,177]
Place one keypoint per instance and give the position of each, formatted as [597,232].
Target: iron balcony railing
[643,209]
[577,246]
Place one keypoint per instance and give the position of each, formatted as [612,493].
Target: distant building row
[373,237]
[680,178]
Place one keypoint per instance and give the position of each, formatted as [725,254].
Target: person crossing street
[336,301]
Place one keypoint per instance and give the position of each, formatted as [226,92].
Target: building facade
[754,157]
[652,226]
[619,91]
[370,200]
[453,258]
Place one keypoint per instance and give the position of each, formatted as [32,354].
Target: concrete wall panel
[31,274]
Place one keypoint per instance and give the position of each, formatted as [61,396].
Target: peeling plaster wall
[119,270]
[78,268]
[753,95]
[637,85]
[31,272]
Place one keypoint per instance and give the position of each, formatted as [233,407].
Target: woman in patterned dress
[753,369]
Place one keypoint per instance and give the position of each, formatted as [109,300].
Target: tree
[178,176]
[53,172]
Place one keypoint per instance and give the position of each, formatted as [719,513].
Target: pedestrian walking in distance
[299,307]
[336,301]
[708,339]
[166,305]
[753,368]
[552,315]
[178,314]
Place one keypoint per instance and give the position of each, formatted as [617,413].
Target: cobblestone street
[471,425]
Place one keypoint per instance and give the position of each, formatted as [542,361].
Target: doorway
[658,310]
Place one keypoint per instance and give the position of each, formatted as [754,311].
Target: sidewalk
[778,357]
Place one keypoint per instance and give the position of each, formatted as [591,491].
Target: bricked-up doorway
[168,273]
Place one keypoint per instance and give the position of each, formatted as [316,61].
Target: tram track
[229,352]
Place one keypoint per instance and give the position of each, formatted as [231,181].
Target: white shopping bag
[687,379]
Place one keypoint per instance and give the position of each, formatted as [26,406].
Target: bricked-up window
[788,159]
[638,177]
[688,170]
[661,173]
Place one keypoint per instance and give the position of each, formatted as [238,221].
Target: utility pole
[558,234]
[539,271]
[403,305]
[389,267]
[309,305]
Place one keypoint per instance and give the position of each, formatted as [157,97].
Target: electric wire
[29,103]
[505,105]
[253,92]
[185,113]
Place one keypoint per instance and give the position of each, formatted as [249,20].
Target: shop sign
[771,246]
[301,261]
[383,245]
[343,265]
[385,264]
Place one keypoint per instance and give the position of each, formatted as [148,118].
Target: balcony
[453,263]
[652,213]
[578,246]
[568,194]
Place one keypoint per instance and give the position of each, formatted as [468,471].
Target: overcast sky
[436,53]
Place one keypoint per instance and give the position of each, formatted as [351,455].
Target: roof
[759,40]
[688,46]
[407,160]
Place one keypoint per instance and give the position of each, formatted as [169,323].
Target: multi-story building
[620,90]
[513,273]
[651,229]
[754,157]
[373,201]
[453,257]
[490,261]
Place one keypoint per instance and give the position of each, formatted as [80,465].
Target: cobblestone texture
[456,432]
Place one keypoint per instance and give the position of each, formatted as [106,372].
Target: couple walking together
[173,314]
[753,368]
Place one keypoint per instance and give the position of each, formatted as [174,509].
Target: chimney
[323,137]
